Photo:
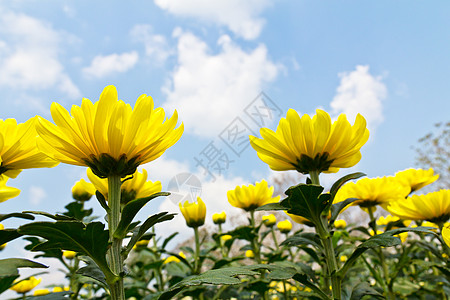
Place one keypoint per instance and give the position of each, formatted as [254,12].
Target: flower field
[401,252]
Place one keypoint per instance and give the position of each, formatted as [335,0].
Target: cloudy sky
[216,63]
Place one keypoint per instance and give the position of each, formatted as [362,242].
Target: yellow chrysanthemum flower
[27,285]
[446,235]
[194,213]
[219,218]
[69,254]
[433,207]
[269,220]
[41,292]
[343,258]
[284,226]
[249,254]
[134,188]
[226,237]
[7,192]
[416,178]
[340,224]
[316,144]
[252,196]
[174,258]
[18,148]
[82,190]
[109,136]
[373,191]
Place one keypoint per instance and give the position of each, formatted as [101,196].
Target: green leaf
[138,232]
[305,200]
[76,210]
[303,278]
[90,240]
[340,182]
[9,266]
[243,233]
[129,212]
[338,207]
[7,235]
[168,239]
[362,289]
[53,296]
[304,238]
[6,282]
[16,215]
[91,270]
[56,217]
[101,199]
[34,241]
[271,206]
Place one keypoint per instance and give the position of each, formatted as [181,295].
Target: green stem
[325,235]
[275,239]
[386,285]
[256,248]
[114,253]
[197,252]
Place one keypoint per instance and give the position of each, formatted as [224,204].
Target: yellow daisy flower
[82,190]
[7,192]
[18,148]
[194,213]
[269,220]
[252,196]
[373,191]
[109,136]
[284,226]
[134,188]
[433,207]
[27,285]
[219,218]
[316,144]
[416,178]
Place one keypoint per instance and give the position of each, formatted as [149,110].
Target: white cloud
[30,49]
[102,66]
[213,89]
[360,92]
[156,46]
[37,194]
[241,17]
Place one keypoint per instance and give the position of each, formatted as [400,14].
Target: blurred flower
[57,289]
[284,226]
[433,207]
[82,190]
[446,235]
[134,188]
[18,148]
[41,292]
[26,285]
[416,178]
[194,213]
[316,144]
[402,236]
[69,254]
[219,218]
[226,237]
[343,258]
[269,220]
[386,220]
[141,243]
[249,254]
[7,192]
[252,196]
[340,224]
[373,191]
[371,232]
[109,136]
[174,258]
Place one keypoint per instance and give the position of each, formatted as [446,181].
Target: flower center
[319,163]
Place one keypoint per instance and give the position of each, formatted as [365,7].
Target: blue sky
[210,60]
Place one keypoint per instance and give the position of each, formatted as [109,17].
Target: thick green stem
[114,253]
[325,235]
[197,252]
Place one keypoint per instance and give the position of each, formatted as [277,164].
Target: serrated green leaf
[304,238]
[6,282]
[9,266]
[76,210]
[90,240]
[91,270]
[129,212]
[243,233]
[16,215]
[7,235]
[305,200]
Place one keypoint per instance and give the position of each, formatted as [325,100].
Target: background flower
[252,196]
[194,213]
[416,178]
